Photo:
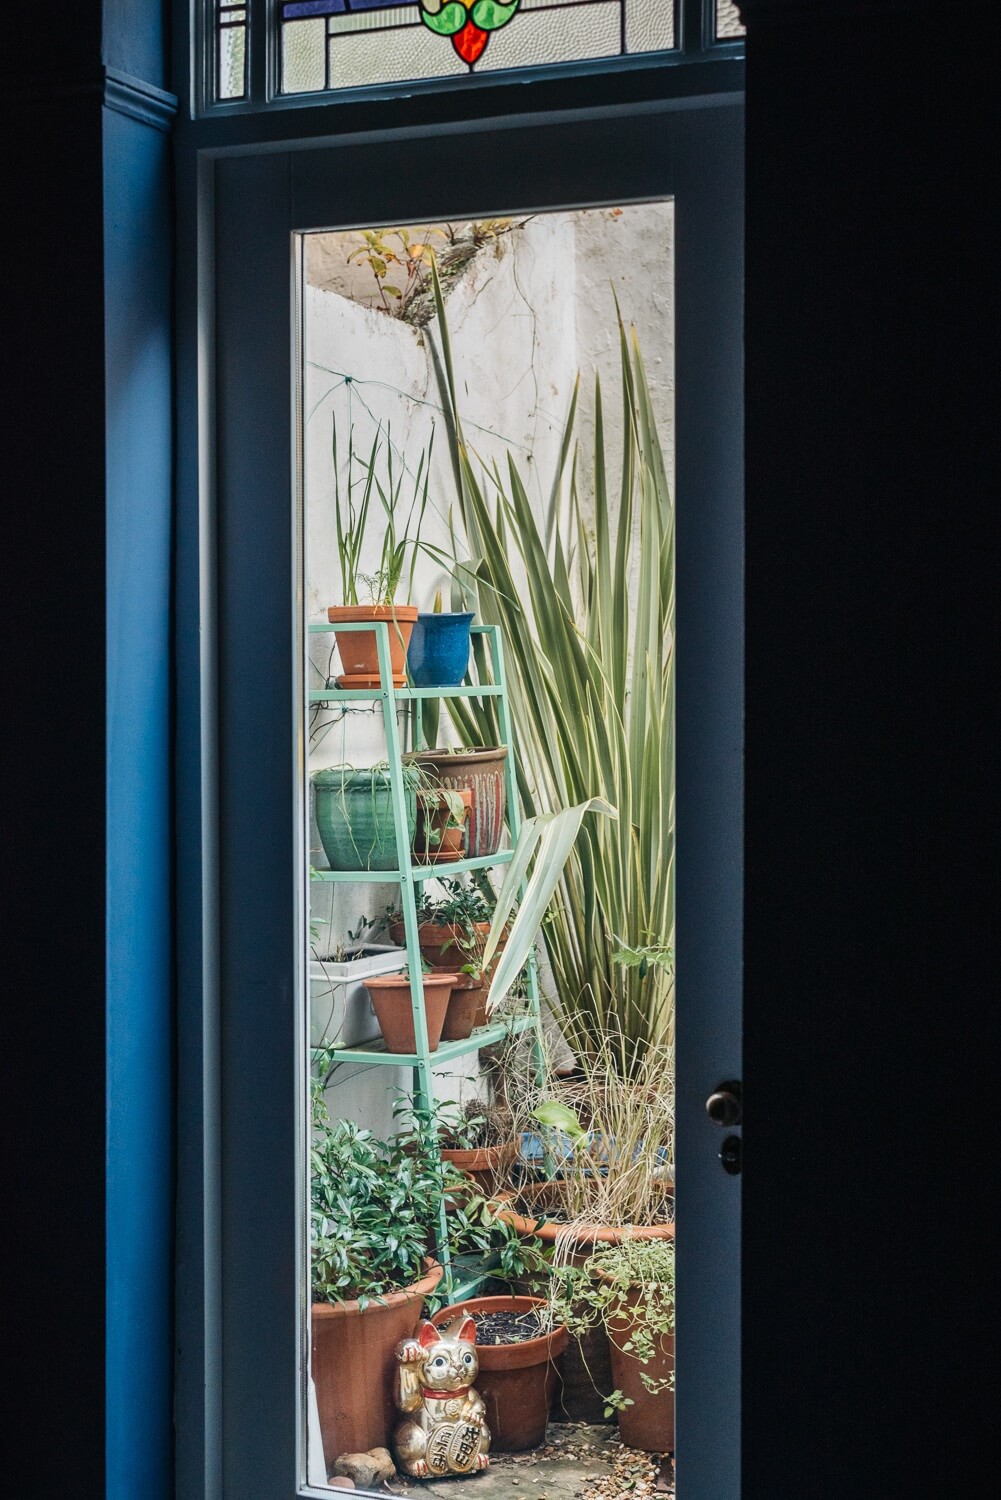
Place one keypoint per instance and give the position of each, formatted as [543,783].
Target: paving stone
[577,1462]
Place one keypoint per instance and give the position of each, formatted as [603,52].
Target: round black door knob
[724,1106]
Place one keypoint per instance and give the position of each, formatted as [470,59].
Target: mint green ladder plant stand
[411,876]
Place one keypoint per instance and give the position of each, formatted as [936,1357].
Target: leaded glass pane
[231,52]
[728,22]
[339,44]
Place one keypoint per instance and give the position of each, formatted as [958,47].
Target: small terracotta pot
[516,1381]
[481,772]
[445,946]
[485,1165]
[353,1361]
[649,1422]
[394,1010]
[358,649]
[464,1006]
[439,840]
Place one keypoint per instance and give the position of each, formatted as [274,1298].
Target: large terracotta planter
[353,1361]
[393,1009]
[516,1381]
[480,771]
[649,1422]
[586,1375]
[358,649]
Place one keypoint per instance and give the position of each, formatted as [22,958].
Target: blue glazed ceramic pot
[439,650]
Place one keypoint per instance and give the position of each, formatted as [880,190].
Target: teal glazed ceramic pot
[354,817]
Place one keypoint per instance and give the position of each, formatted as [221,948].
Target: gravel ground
[578,1462]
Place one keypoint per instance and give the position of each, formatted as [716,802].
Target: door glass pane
[351,43]
[496,507]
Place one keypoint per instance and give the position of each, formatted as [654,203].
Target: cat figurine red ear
[444,1431]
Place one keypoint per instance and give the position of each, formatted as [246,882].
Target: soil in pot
[481,772]
[353,1362]
[517,1375]
[390,994]
[358,650]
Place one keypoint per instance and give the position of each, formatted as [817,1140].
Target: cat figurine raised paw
[445,1431]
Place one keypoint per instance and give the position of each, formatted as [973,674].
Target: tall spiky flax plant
[587,616]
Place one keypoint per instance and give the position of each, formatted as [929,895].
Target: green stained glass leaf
[447,21]
[491,14]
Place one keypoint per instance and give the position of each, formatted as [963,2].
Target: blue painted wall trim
[140,1126]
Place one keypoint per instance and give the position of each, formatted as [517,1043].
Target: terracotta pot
[447,946]
[649,1422]
[516,1381]
[485,1165]
[464,1005]
[358,649]
[586,1374]
[353,1362]
[439,839]
[481,772]
[394,1011]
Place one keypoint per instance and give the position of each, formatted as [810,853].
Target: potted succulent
[627,1290]
[374,1206]
[438,655]
[391,996]
[518,1345]
[372,596]
[354,815]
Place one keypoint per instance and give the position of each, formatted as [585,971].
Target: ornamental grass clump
[605,1142]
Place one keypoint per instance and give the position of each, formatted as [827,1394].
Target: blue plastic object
[439,650]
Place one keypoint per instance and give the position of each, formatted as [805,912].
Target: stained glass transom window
[342,44]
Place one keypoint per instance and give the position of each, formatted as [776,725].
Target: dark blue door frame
[246,1142]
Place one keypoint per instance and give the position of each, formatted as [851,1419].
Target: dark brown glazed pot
[480,771]
[516,1381]
[391,1002]
[353,1361]
[649,1422]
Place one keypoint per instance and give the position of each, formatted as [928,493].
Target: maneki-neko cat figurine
[445,1432]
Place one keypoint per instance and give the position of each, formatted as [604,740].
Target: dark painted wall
[86,829]
[871,744]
